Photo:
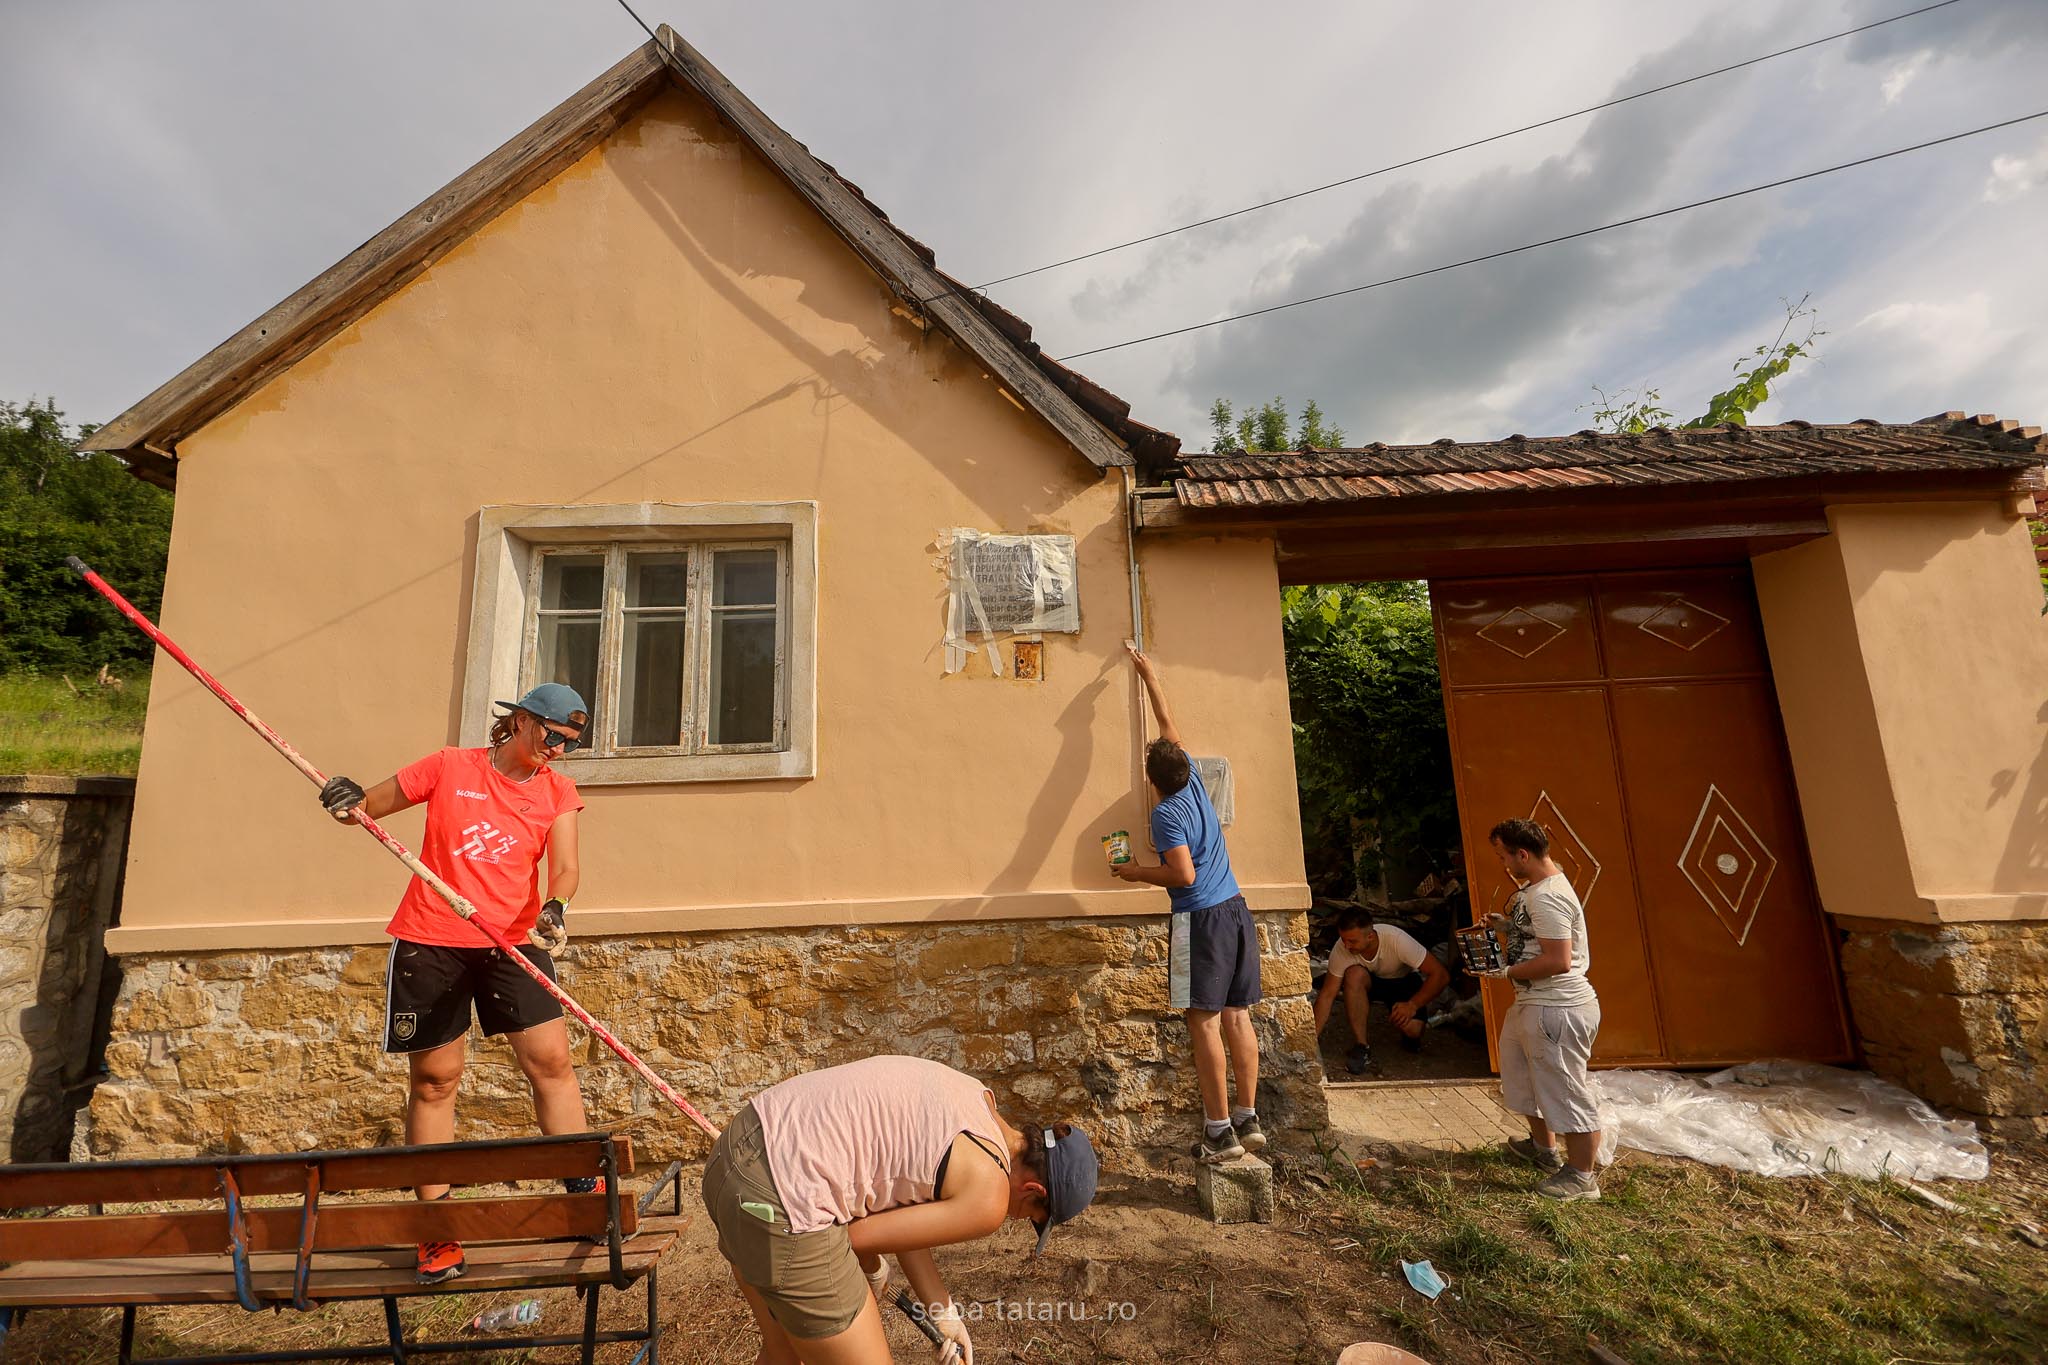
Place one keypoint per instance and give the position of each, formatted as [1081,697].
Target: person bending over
[819,1177]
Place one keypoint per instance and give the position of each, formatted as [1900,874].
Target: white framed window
[690,630]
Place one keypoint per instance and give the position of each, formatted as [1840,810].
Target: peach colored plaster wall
[667,322]
[1912,666]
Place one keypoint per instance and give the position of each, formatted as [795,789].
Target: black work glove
[551,930]
[340,796]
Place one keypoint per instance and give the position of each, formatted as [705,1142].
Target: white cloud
[1950,337]
[2013,176]
[1900,76]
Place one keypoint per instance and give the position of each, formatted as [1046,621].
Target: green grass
[1681,1262]
[74,729]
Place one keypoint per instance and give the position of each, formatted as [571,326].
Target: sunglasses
[558,739]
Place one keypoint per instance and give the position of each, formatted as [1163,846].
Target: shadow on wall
[872,382]
[2024,862]
[67,842]
[1045,823]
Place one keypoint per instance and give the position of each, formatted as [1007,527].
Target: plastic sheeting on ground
[1789,1118]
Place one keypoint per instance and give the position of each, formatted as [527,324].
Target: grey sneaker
[1211,1151]
[1542,1158]
[1570,1184]
[1250,1134]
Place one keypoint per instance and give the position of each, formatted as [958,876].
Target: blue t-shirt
[1186,817]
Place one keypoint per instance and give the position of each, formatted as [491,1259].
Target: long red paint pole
[456,901]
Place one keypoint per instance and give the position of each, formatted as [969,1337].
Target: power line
[1432,156]
[1553,241]
[650,32]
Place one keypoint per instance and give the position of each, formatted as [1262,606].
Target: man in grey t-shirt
[1546,1038]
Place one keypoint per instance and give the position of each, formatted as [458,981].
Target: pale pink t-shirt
[857,1139]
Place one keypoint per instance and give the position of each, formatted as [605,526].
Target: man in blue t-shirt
[1213,947]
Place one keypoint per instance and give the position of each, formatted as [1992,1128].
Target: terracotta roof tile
[1947,443]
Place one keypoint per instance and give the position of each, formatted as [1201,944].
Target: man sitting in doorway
[1378,962]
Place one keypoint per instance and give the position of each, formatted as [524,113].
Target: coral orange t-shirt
[485,836]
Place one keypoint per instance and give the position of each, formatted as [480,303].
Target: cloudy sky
[172,170]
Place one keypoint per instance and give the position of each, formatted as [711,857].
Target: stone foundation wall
[61,845]
[1956,1013]
[278,1051]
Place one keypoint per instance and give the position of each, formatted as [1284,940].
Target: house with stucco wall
[653,401]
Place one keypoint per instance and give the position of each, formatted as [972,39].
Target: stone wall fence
[1956,1013]
[63,841]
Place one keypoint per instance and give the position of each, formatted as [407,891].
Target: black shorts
[1212,959]
[428,991]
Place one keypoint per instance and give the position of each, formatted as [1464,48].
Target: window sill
[659,770]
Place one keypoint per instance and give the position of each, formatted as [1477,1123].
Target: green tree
[1266,428]
[1372,753]
[56,502]
[1634,410]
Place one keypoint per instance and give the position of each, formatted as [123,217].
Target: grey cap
[1070,1173]
[557,702]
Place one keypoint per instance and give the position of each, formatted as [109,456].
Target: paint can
[1480,950]
[1117,847]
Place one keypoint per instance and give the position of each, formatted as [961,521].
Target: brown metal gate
[1632,716]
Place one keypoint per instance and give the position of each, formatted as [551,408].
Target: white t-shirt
[1550,909]
[1398,955]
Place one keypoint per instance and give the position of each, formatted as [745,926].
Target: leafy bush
[55,502]
[1372,754]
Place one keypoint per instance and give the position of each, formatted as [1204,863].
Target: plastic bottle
[524,1313]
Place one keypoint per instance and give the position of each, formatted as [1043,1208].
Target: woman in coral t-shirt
[491,814]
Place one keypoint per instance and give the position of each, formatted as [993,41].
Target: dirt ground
[1678,1262]
[1444,1054]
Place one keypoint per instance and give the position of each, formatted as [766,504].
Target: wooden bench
[239,1243]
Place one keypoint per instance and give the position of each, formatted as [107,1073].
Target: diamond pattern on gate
[1519,631]
[1688,625]
[1727,864]
[1567,849]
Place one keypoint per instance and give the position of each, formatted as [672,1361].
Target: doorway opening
[1380,834]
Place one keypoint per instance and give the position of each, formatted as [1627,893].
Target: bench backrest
[309,1177]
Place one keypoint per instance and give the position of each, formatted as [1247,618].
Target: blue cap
[557,702]
[1070,1171]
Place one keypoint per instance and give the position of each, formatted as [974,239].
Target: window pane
[744,578]
[651,684]
[568,654]
[572,583]
[743,678]
[656,580]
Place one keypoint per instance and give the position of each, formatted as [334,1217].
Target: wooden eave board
[1701,503]
[380,267]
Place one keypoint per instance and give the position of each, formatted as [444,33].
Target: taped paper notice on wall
[1007,585]
[1222,788]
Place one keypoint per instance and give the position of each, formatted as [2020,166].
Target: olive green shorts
[811,1280]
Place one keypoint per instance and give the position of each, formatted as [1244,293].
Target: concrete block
[1239,1191]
